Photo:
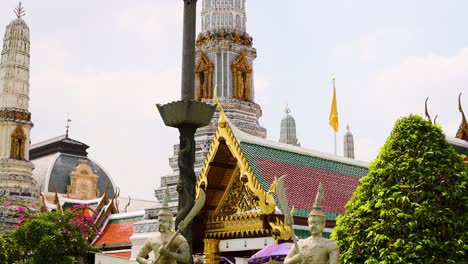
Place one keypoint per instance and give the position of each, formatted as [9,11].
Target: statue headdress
[164,211]
[317,209]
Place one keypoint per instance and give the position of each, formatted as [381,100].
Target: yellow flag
[333,119]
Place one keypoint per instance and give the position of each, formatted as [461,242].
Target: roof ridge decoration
[266,201]
[462,132]
[426,112]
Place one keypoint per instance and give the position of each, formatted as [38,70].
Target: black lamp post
[187,115]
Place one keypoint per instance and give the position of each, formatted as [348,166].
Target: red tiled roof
[124,254]
[115,233]
[301,184]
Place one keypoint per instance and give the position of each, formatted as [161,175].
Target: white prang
[16,182]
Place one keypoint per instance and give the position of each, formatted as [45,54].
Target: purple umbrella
[272,252]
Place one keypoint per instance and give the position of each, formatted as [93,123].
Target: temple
[241,214]
[235,164]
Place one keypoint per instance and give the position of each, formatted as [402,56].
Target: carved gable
[83,183]
[237,199]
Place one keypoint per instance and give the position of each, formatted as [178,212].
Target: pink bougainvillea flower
[20,209]
[21,219]
[8,204]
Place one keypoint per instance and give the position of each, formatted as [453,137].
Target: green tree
[3,251]
[54,237]
[412,206]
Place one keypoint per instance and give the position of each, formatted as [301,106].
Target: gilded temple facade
[224,62]
[241,214]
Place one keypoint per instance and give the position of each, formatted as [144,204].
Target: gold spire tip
[19,11]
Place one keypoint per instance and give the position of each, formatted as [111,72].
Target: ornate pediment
[83,183]
[228,179]
[203,63]
[237,199]
[242,64]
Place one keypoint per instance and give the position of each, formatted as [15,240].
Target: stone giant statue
[315,249]
[168,247]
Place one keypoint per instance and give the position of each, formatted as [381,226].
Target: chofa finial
[426,112]
[19,11]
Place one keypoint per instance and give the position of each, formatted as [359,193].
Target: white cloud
[149,19]
[400,89]
[370,48]
[403,87]
[262,90]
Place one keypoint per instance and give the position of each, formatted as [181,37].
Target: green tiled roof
[300,233]
[251,151]
[125,220]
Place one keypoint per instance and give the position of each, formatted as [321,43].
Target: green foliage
[55,237]
[3,251]
[412,206]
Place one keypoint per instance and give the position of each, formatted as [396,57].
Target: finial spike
[426,112]
[19,11]
[319,197]
[459,104]
[287,110]
[68,124]
[347,127]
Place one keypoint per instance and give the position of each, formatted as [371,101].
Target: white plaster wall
[106,259]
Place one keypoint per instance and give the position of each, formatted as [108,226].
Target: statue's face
[316,225]
[165,224]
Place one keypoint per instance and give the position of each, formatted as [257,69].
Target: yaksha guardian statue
[315,249]
[168,247]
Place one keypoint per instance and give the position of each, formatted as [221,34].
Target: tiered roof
[305,169]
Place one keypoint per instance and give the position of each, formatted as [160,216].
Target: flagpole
[333,119]
[335,142]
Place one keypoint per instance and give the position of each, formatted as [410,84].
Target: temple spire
[348,144]
[226,15]
[288,128]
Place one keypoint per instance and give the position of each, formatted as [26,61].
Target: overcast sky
[107,63]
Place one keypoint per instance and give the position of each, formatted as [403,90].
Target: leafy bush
[412,206]
[54,237]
